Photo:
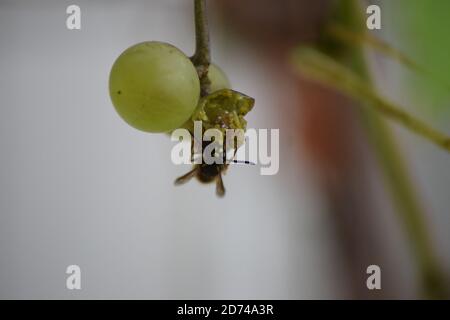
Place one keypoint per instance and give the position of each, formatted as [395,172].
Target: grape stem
[202,56]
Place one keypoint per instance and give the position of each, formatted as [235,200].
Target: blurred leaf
[317,66]
[421,28]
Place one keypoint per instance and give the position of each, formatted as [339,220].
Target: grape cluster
[155,87]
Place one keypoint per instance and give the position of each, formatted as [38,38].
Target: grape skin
[218,78]
[154,86]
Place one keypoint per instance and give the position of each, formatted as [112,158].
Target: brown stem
[202,57]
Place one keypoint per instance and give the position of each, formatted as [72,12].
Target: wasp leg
[185,178]
[220,189]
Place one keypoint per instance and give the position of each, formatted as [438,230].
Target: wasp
[222,110]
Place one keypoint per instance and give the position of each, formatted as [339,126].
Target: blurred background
[79,186]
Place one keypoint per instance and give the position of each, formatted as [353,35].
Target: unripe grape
[218,78]
[154,86]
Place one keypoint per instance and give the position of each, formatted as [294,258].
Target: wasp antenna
[243,162]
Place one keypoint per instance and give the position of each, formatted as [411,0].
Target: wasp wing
[185,178]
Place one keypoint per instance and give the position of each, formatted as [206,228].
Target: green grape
[154,86]
[218,78]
